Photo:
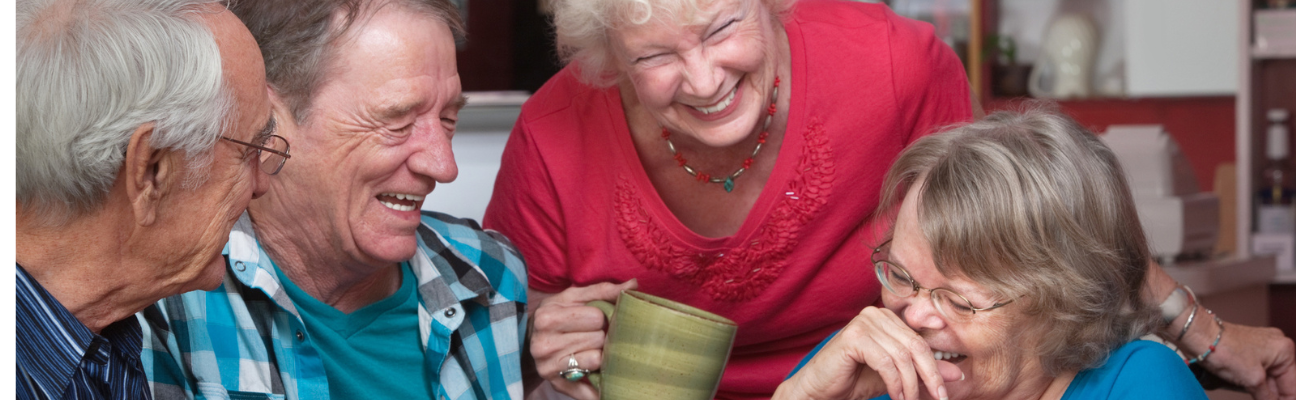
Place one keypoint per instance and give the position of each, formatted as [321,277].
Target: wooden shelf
[1285,277]
[1271,53]
[1219,276]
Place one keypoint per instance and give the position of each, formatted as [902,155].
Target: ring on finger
[573,372]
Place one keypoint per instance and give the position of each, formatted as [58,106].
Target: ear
[279,107]
[147,174]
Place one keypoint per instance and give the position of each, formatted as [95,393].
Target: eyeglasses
[273,153]
[898,281]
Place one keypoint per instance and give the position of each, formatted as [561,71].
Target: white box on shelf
[1282,245]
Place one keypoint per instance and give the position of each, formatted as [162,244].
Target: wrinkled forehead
[680,13]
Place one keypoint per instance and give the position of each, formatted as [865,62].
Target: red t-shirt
[575,199]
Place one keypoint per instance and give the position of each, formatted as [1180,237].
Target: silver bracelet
[1210,350]
[1191,316]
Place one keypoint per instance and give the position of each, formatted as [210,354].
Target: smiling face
[376,139]
[711,80]
[984,347]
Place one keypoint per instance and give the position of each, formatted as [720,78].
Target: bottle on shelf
[1274,199]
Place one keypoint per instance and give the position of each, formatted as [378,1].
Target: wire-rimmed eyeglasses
[272,153]
[899,282]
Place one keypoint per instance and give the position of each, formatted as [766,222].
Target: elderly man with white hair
[141,128]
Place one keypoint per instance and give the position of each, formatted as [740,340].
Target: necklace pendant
[728,184]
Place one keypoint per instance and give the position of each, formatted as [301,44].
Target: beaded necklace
[728,181]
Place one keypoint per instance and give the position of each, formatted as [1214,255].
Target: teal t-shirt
[372,353]
[1142,369]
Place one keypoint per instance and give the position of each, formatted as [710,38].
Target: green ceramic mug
[661,349]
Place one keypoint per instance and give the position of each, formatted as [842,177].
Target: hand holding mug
[565,328]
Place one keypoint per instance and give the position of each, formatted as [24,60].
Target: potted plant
[1008,77]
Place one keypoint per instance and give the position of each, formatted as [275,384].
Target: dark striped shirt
[60,358]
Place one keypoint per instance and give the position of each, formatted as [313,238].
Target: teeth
[946,355]
[719,107]
[401,196]
[397,207]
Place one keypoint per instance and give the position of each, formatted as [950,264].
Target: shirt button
[300,336]
[450,312]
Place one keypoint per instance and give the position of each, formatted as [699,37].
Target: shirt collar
[52,342]
[445,276]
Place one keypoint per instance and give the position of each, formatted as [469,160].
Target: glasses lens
[951,305]
[895,279]
[270,161]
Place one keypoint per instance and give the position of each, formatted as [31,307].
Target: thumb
[606,291]
[629,285]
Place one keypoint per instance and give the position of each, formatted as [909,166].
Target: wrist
[1179,313]
[1175,304]
[1200,335]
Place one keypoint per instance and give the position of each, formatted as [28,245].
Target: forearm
[1202,330]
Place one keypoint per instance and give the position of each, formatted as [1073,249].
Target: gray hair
[1034,207]
[90,72]
[297,37]
[583,28]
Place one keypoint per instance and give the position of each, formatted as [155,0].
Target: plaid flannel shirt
[246,339]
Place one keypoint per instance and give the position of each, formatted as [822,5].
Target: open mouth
[400,201]
[948,356]
[721,106]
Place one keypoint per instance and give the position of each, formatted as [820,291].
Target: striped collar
[52,343]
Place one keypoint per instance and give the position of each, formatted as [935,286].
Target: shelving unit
[1267,79]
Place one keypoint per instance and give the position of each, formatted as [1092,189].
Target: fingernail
[941,392]
[962,376]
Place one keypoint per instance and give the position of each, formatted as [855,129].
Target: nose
[433,156]
[702,76]
[260,183]
[920,312]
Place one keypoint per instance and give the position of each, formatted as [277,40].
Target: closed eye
[722,28]
[646,58]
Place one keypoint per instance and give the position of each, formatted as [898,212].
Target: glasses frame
[260,149]
[917,289]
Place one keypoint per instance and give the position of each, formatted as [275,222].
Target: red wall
[1202,126]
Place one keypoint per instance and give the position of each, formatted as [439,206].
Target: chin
[391,249]
[211,276]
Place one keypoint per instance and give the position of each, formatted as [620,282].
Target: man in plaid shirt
[337,286]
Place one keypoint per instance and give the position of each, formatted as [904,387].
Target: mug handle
[608,309]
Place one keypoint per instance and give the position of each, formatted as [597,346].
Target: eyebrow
[269,128]
[458,103]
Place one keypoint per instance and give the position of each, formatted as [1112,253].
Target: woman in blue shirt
[1013,271]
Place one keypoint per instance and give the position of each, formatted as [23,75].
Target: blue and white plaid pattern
[246,338]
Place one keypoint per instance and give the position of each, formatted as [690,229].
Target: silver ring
[573,372]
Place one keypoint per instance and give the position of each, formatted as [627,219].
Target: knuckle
[916,345]
[545,320]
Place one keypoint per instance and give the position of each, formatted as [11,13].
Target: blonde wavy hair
[583,28]
[1033,207]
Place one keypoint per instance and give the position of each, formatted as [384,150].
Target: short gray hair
[1031,204]
[296,38]
[90,72]
[583,28]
